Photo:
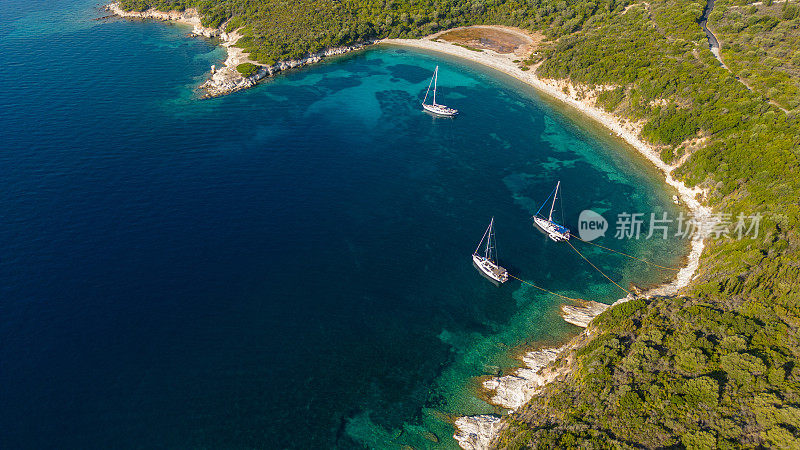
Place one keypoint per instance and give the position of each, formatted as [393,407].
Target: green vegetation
[247,69]
[761,44]
[275,30]
[673,372]
[717,366]
[610,99]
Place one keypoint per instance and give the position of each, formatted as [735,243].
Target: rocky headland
[227,79]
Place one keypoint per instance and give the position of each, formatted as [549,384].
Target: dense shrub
[247,69]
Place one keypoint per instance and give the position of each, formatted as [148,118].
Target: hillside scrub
[247,69]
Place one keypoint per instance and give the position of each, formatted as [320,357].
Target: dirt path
[714,46]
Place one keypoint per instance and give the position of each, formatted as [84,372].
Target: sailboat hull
[553,230]
[440,110]
[489,270]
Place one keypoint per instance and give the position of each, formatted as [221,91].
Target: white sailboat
[434,107]
[554,230]
[486,263]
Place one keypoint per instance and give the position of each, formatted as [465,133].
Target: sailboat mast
[555,195]
[435,79]
[490,242]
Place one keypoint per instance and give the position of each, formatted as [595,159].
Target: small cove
[285,266]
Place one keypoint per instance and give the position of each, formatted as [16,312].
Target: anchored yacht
[435,108]
[554,230]
[486,263]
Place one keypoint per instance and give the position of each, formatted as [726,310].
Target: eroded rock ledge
[581,314]
[476,432]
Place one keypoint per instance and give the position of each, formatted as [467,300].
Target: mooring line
[595,267]
[543,289]
[625,254]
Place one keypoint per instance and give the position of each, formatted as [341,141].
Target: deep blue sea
[285,267]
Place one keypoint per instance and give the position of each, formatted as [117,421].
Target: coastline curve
[510,391]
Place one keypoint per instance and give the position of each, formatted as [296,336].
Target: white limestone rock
[476,432]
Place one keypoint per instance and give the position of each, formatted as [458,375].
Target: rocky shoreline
[226,80]
[477,432]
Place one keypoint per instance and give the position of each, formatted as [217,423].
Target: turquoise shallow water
[288,266]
